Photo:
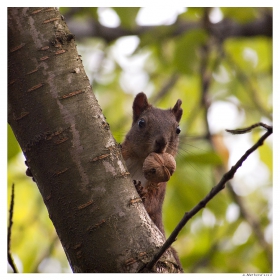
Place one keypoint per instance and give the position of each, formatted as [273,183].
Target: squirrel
[152,130]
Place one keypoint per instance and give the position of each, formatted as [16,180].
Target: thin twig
[214,191]
[11,211]
[248,129]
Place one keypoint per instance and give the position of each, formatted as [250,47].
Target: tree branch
[73,157]
[222,30]
[248,129]
[11,212]
[214,191]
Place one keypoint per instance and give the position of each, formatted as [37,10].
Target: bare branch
[11,211]
[214,191]
[248,129]
[226,28]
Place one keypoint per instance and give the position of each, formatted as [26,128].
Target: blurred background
[218,61]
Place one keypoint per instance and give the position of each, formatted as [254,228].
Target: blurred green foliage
[200,70]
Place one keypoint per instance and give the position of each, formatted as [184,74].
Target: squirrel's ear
[140,104]
[177,110]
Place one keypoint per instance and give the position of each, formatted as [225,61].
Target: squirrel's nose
[160,145]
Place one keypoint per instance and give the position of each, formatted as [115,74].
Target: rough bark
[73,157]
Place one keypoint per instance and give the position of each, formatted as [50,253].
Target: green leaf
[266,154]
[193,13]
[205,158]
[127,16]
[251,55]
[242,15]
[187,51]
[13,146]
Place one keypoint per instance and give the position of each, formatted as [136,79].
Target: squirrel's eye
[141,123]
[178,130]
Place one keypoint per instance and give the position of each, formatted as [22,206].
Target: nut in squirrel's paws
[159,167]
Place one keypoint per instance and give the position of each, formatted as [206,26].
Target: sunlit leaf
[127,16]
[205,158]
[13,146]
[188,46]
[242,14]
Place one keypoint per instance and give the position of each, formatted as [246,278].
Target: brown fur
[153,130]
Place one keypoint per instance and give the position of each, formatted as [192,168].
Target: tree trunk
[73,157]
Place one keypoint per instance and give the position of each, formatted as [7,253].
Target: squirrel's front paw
[140,189]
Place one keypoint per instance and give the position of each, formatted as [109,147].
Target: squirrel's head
[154,129]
